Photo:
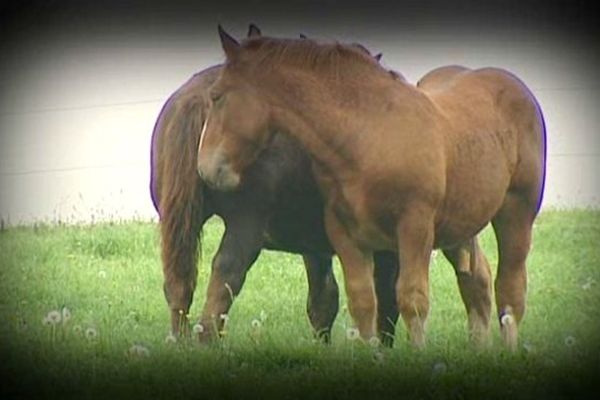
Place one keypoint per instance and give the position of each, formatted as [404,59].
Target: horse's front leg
[415,241]
[357,266]
[240,246]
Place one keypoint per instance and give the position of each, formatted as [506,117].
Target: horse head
[235,128]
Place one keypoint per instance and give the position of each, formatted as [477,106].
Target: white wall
[76,120]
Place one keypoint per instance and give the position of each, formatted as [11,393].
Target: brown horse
[278,208]
[400,168]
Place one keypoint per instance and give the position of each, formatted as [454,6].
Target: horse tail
[177,192]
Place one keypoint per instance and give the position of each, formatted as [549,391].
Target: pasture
[109,278]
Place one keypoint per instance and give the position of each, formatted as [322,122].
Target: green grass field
[109,278]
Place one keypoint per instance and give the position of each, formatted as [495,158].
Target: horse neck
[309,110]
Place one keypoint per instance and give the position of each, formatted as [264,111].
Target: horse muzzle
[217,173]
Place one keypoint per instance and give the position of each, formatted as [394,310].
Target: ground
[107,280]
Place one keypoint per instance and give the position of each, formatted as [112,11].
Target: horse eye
[215,97]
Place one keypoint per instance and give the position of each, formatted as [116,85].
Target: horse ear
[378,56]
[253,31]
[229,44]
[302,36]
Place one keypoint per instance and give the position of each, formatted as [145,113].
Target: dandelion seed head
[198,328]
[77,329]
[102,274]
[352,334]
[374,342]
[170,339]
[507,319]
[570,341]
[439,368]
[263,315]
[54,317]
[256,324]
[66,314]
[46,321]
[378,357]
[91,333]
[138,350]
[528,347]
[433,255]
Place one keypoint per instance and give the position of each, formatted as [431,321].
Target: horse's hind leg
[323,294]
[239,248]
[474,281]
[512,226]
[386,272]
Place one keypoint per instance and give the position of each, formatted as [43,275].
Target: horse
[400,168]
[279,208]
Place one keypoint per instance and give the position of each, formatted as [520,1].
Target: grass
[109,277]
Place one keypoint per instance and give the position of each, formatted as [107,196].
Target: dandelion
[507,319]
[224,318]
[352,334]
[433,255]
[198,328]
[54,317]
[102,274]
[138,350]
[528,347]
[439,368]
[374,342]
[570,341]
[378,357]
[170,339]
[263,315]
[91,334]
[256,324]
[46,321]
[66,315]
[77,329]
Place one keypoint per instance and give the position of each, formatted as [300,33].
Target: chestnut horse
[279,207]
[401,168]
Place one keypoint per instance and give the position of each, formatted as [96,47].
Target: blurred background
[81,84]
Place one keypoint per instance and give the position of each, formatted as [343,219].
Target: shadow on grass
[332,373]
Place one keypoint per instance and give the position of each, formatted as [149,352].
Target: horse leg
[415,241]
[512,225]
[474,282]
[239,248]
[386,272]
[323,295]
[357,266]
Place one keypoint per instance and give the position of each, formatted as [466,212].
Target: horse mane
[326,58]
